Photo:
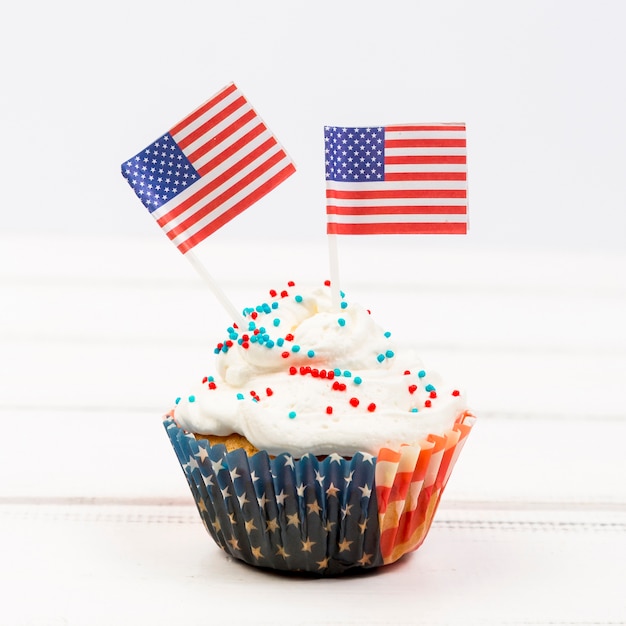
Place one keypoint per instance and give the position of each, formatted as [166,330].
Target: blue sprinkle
[280,341]
[251,325]
[254,338]
[341,321]
[230,329]
[389,354]
[344,305]
[295,348]
[337,372]
[240,396]
[211,379]
[380,358]
[358,380]
[262,329]
[259,308]
[192,398]
[216,351]
[276,321]
[292,414]
[298,298]
[267,308]
[233,336]
[414,410]
[274,305]
[342,294]
[347,373]
[429,388]
[177,400]
[421,373]
[269,343]
[310,354]
[225,349]
[387,334]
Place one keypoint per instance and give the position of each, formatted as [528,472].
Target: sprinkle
[412,388]
[329,410]
[298,298]
[358,380]
[371,407]
[292,414]
[341,321]
[429,387]
[212,385]
[274,305]
[283,293]
[347,373]
[293,370]
[280,341]
[288,337]
[428,403]
[291,284]
[251,325]
[354,402]
[413,410]
[177,401]
[421,373]
[269,343]
[310,353]
[387,334]
[380,358]
[240,396]
[269,391]
[337,372]
[344,305]
[407,372]
[254,315]
[273,293]
[204,380]
[295,348]
[433,394]
[389,354]
[284,354]
[456,392]
[192,398]
[211,379]
[327,283]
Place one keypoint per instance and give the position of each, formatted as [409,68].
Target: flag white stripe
[425,151]
[426,167]
[228,204]
[397,218]
[231,182]
[208,114]
[424,134]
[397,185]
[367,202]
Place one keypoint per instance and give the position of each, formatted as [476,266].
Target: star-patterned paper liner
[324,516]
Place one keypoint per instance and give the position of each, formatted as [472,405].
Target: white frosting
[256,394]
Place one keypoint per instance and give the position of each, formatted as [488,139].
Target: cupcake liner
[322,516]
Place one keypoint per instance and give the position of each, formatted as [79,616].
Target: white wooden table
[96,522]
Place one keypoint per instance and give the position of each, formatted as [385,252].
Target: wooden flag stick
[215,288]
[335,288]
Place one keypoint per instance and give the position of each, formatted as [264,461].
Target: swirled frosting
[305,376]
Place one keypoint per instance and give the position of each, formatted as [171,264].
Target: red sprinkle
[327,283]
[285,355]
[273,293]
[315,373]
[291,284]
[293,370]
[212,385]
[428,403]
[269,391]
[229,343]
[371,407]
[288,337]
[354,401]
[283,293]
[412,388]
[254,315]
[245,345]
[407,372]
[433,394]
[205,379]
[329,409]
[456,392]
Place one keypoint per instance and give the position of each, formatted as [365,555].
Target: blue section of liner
[309,515]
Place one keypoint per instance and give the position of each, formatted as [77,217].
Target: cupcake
[317,445]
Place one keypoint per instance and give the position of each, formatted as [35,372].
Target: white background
[539,83]
[103,323]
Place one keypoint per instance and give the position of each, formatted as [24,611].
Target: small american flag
[405,179]
[208,168]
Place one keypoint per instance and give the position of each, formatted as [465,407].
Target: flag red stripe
[216,140]
[201,110]
[395,210]
[425,143]
[238,208]
[426,127]
[426,160]
[231,150]
[391,176]
[217,182]
[398,228]
[396,193]
[207,126]
[226,194]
